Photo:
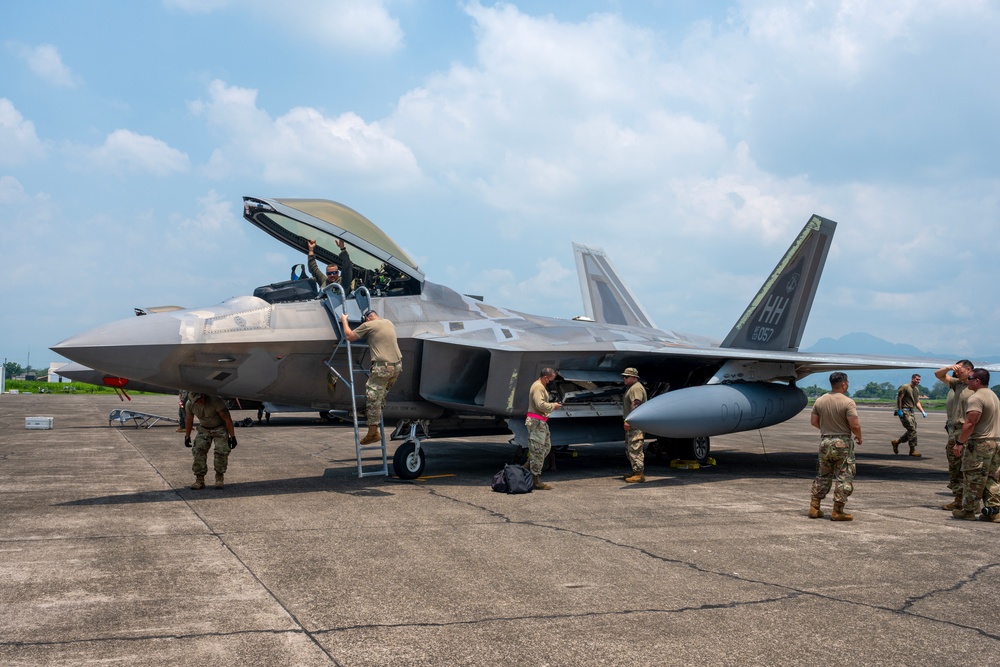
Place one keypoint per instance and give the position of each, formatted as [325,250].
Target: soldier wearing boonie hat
[635,395]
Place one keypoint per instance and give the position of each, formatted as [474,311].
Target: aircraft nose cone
[134,348]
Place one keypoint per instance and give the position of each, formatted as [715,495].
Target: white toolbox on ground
[43,423]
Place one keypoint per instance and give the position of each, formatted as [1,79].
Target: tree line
[886,391]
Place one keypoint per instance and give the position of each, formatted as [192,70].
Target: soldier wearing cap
[635,395]
[215,425]
[387,364]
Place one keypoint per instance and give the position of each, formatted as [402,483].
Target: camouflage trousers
[203,442]
[909,422]
[980,470]
[379,383]
[539,444]
[836,464]
[954,462]
[633,448]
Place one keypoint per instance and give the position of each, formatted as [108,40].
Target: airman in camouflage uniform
[215,425]
[958,395]
[836,417]
[387,364]
[977,445]
[539,440]
[908,399]
[635,395]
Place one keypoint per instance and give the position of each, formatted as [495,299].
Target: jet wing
[805,363]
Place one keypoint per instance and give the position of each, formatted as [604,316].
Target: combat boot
[220,481]
[965,515]
[838,513]
[199,482]
[895,446]
[955,504]
[814,511]
[914,452]
[539,484]
[636,477]
[372,436]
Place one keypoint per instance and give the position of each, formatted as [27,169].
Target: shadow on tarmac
[598,462]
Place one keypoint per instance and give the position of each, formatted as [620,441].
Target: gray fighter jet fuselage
[467,365]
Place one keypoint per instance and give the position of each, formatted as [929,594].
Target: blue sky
[690,140]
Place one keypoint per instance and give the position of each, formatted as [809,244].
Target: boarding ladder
[336,303]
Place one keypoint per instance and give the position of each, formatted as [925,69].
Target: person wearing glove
[908,400]
[215,426]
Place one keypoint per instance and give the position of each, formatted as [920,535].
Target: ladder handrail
[327,294]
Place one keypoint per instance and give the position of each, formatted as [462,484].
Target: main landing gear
[687,449]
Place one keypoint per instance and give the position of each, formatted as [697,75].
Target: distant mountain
[862,343]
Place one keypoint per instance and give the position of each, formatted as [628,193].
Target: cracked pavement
[108,557]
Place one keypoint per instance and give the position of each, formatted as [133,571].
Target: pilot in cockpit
[342,273]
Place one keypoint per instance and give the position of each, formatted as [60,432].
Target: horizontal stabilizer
[606,299]
[776,317]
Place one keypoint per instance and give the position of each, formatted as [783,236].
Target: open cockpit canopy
[379,264]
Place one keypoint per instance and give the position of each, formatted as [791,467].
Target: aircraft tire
[701,448]
[407,463]
[688,449]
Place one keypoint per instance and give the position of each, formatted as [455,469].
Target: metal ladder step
[335,296]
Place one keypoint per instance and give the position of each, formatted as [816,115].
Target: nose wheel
[408,461]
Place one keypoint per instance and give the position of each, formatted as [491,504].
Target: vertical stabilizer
[776,317]
[606,299]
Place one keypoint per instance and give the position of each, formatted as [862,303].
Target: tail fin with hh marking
[776,317]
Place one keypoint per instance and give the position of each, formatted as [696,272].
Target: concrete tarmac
[107,558]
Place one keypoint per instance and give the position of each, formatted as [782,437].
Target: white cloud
[11,191]
[18,141]
[215,214]
[302,147]
[126,150]
[553,288]
[29,223]
[353,25]
[702,159]
[555,112]
[45,62]
[845,38]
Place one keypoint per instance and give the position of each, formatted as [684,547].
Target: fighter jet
[467,365]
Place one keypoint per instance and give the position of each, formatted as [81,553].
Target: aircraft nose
[134,348]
